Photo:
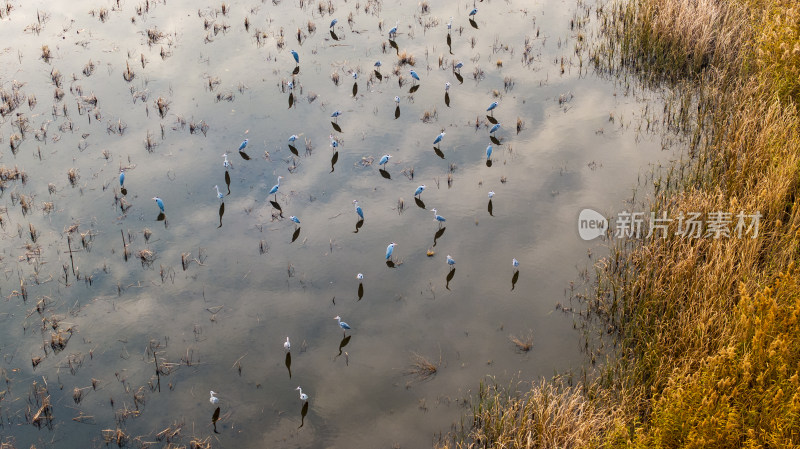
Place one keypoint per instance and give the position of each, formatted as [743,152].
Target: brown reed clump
[72,176]
[406,58]
[422,368]
[523,343]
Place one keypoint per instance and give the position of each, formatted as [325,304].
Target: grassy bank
[705,331]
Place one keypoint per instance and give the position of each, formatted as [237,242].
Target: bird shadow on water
[391,264]
[491,119]
[355,89]
[288,363]
[303,413]
[277,207]
[449,278]
[294,151]
[474,25]
[228,181]
[296,70]
[450,43]
[393,44]
[244,155]
[334,160]
[419,203]
[336,127]
[345,341]
[291,100]
[334,36]
[438,152]
[447,99]
[438,234]
[123,191]
[459,78]
[397,112]
[359,224]
[215,418]
[360,290]
[413,89]
[490,208]
[221,213]
[378,75]
[495,140]
[296,234]
[489,163]
[384,173]
[514,280]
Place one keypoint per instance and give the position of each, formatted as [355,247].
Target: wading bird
[359,276]
[219,194]
[213,399]
[390,250]
[293,137]
[473,12]
[437,217]
[397,100]
[439,138]
[491,194]
[226,163]
[303,396]
[286,345]
[243,144]
[414,74]
[295,56]
[342,324]
[419,190]
[121,177]
[488,153]
[358,209]
[491,106]
[458,65]
[384,160]
[295,220]
[446,87]
[159,202]
[333,22]
[494,128]
[336,114]
[450,260]
[515,263]
[274,189]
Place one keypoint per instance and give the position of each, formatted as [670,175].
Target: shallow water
[219,322]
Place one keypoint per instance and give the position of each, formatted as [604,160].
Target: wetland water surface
[116,321]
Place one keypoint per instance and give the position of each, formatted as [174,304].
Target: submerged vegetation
[704,331]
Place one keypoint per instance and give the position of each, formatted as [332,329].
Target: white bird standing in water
[226,163]
[303,396]
[286,345]
[450,260]
[219,194]
[437,217]
[213,399]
